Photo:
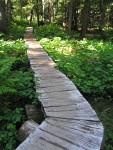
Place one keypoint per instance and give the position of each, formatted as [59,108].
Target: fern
[6,81]
[4,89]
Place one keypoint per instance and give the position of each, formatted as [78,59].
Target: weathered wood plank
[53,73]
[77,107]
[58,102]
[71,126]
[55,76]
[73,115]
[61,95]
[87,123]
[82,140]
[57,89]
[52,84]
[52,99]
[60,142]
[53,80]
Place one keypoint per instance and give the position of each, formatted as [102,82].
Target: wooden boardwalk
[71,123]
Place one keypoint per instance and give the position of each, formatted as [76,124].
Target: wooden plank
[33,50]
[50,141]
[77,107]
[76,125]
[58,102]
[52,84]
[76,137]
[61,99]
[61,95]
[57,89]
[53,80]
[40,57]
[43,66]
[87,123]
[45,144]
[35,58]
[52,76]
[27,145]
[74,115]
[52,72]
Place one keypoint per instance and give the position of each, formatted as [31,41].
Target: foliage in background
[50,31]
[89,64]
[17,86]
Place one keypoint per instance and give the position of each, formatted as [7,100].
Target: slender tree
[85,14]
[31,15]
[3,17]
[37,10]
[70,17]
[102,7]
[8,10]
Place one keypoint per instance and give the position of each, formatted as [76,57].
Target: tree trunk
[85,12]
[70,15]
[75,16]
[31,16]
[52,12]
[43,10]
[64,14]
[49,11]
[37,11]
[8,10]
[3,17]
[102,17]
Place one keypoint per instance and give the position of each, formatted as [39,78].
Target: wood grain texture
[71,123]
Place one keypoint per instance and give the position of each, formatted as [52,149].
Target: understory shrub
[50,31]
[94,68]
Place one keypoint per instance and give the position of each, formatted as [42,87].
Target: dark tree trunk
[111,17]
[31,17]
[75,17]
[37,11]
[49,12]
[85,12]
[70,15]
[102,18]
[8,10]
[65,14]
[3,17]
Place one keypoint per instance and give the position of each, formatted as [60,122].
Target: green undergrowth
[16,30]
[89,64]
[17,88]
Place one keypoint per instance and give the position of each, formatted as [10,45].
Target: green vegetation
[89,64]
[16,86]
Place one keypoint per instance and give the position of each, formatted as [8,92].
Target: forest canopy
[73,14]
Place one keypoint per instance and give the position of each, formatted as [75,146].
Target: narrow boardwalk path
[71,123]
